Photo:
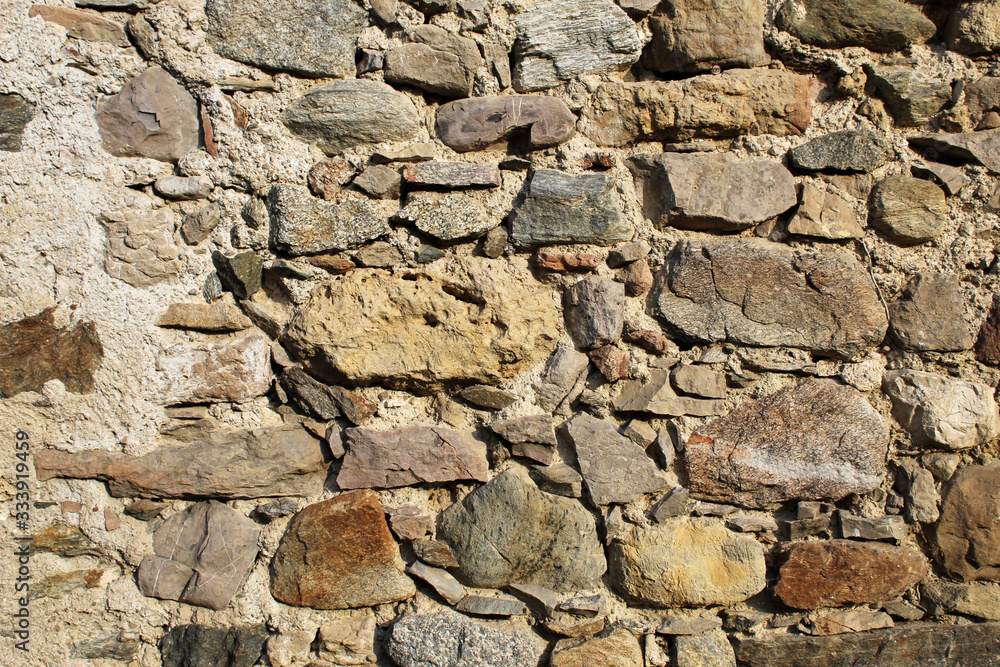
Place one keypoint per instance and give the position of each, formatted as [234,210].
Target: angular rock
[656,396]
[823,214]
[909,210]
[241,273]
[379,181]
[877,25]
[979,600]
[141,249]
[845,150]
[982,147]
[345,114]
[144,510]
[201,556]
[327,177]
[478,605]
[912,97]
[476,321]
[686,562]
[232,371]
[566,262]
[418,152]
[443,583]
[88,26]
[967,538]
[475,123]
[593,312]
[841,622]
[302,224]
[347,641]
[152,116]
[880,528]
[434,553]
[191,645]
[942,412]
[558,40]
[184,187]
[757,293]
[410,455]
[320,44]
[972,29]
[930,314]
[435,60]
[611,361]
[565,368]
[950,179]
[697,35]
[451,175]
[119,646]
[559,479]
[199,225]
[839,573]
[749,524]
[449,640]
[63,540]
[674,624]
[628,253]
[486,396]
[447,216]
[710,649]
[699,380]
[535,428]
[616,647]
[675,503]
[218,317]
[314,397]
[507,531]
[813,440]
[562,208]
[988,340]
[15,114]
[57,586]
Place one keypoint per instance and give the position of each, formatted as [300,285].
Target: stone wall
[501,333]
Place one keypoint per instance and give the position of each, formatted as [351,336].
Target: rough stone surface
[435,60]
[838,573]
[534,428]
[911,97]
[451,175]
[908,210]
[982,147]
[686,562]
[141,249]
[87,26]
[440,580]
[845,150]
[197,645]
[967,539]
[977,600]
[757,293]
[697,35]
[218,317]
[475,123]
[199,225]
[486,396]
[507,531]
[813,440]
[656,396]
[823,214]
[15,114]
[878,25]
[239,273]
[231,370]
[988,341]
[447,216]
[560,479]
[972,29]
[566,366]
[615,648]
[449,640]
[840,622]
[184,187]
[930,314]
[593,311]
[710,649]
[302,224]
[880,528]
[379,181]
[479,605]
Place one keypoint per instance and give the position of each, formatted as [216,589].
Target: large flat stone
[844,150]
[967,537]
[911,96]
[814,440]
[930,314]
[982,147]
[435,60]
[196,645]
[593,310]
[973,28]
[88,26]
[909,210]
[697,35]
[302,224]
[34,351]
[476,122]
[878,25]
[232,370]
[823,214]
[758,293]
[450,640]
[656,396]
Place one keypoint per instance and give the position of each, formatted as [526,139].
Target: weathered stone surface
[908,210]
[950,179]
[434,552]
[972,29]
[320,43]
[449,640]
[199,225]
[845,150]
[144,509]
[942,412]
[675,503]
[982,147]
[418,152]
[563,208]
[477,122]
[699,380]
[628,253]
[594,312]
[697,35]
[759,293]
[880,528]
[507,531]
[657,397]
[486,396]
[152,116]
[930,314]
[564,370]
[63,540]
[302,224]
[447,216]
[327,177]
[339,554]
[232,370]
[812,440]
[560,479]
[910,96]
[686,562]
[241,273]
[15,114]
[57,586]
[878,25]
[839,573]
[218,317]
[477,321]
[967,539]
[988,340]
[119,646]
[201,556]
[615,469]
[410,455]
[979,600]
[88,26]
[561,39]
[202,462]
[841,622]
[184,187]
[616,647]
[739,101]
[611,361]
[566,262]
[749,524]
[344,114]
[675,624]
[196,645]
[534,428]
[479,605]
[823,214]
[324,401]
[440,580]
[435,60]
[34,350]
[141,249]
[925,645]
[710,649]
[379,181]
[451,175]
[347,641]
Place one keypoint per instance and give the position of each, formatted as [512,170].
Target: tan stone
[825,215]
[228,371]
[616,648]
[88,26]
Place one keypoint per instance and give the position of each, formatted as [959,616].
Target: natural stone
[184,187]
[241,273]
[409,455]
[447,216]
[380,254]
[912,97]
[325,401]
[345,114]
[967,538]
[758,293]
[507,531]
[451,175]
[443,583]
[930,314]
[196,645]
[988,340]
[823,214]
[612,362]
[840,622]
[812,440]
[838,573]
[559,479]
[152,116]
[15,114]
[979,600]
[486,396]
[449,640]
[475,123]
[657,397]
[628,253]
[434,552]
[347,641]
[686,562]
[909,210]
[479,605]
[616,647]
[88,26]
[565,369]
[141,249]
[566,262]
[593,312]
[696,35]
[302,224]
[418,152]
[558,40]
[674,624]
[231,370]
[435,60]
[121,646]
[675,503]
[198,226]
[201,556]
[709,649]
[63,540]
[878,25]
[379,181]
[879,528]
[845,150]
[972,29]
[948,178]
[534,428]
[144,510]
[982,147]
[699,380]
[57,586]
[218,317]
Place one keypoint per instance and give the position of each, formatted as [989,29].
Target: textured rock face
[436,60]
[846,150]
[560,39]
[33,351]
[15,113]
[447,216]
[152,116]
[339,554]
[344,114]
[319,43]
[816,440]
[879,25]
[758,293]
[465,325]
[840,572]
[450,640]
[191,645]
[972,29]
[302,224]
[615,648]
[988,340]
[687,562]
[141,249]
[982,147]
[87,26]
[930,314]
[909,210]
[696,35]
[593,312]
[967,539]
[233,370]
[941,412]
[910,96]
[475,123]
[825,215]
[219,317]
[507,531]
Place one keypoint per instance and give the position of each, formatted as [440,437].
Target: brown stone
[434,553]
[838,573]
[649,340]
[63,540]
[565,262]
[930,314]
[638,278]
[967,537]
[33,351]
[231,370]
[218,317]
[326,177]
[611,361]
[477,122]
[339,554]
[334,265]
[616,647]
[88,26]
[988,342]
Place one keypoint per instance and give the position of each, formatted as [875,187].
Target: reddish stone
[598,161]
[331,264]
[327,176]
[638,278]
[565,262]
[649,340]
[968,532]
[611,361]
[988,343]
[111,521]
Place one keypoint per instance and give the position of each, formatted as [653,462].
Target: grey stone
[380,254]
[563,208]
[447,216]
[240,273]
[930,314]
[594,312]
[320,43]
[486,396]
[674,624]
[911,96]
[314,397]
[674,504]
[614,468]
[302,224]
[750,524]
[379,181]
[121,646]
[823,214]
[451,175]
[656,396]
[713,509]
[916,486]
[15,114]
[981,147]
[449,640]
[145,510]
[435,60]
[879,528]
[141,249]
[758,293]
[972,29]
[495,242]
[434,552]
[539,453]
[640,433]
[540,596]
[152,116]
[709,649]
[184,187]
[561,39]
[498,61]
[697,35]
[410,455]
[699,380]
[942,466]
[845,150]
[950,179]
[978,600]
[812,440]
[507,531]
[559,479]
[443,583]
[534,428]
[345,114]
[200,645]
[803,528]
[197,226]
[564,369]
[628,253]
[878,25]
[908,210]
[475,123]
[276,509]
[479,605]
[903,611]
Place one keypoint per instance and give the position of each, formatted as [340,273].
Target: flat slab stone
[911,96]
[451,175]
[978,600]
[930,314]
[845,150]
[34,350]
[967,539]
[88,26]
[218,317]
[534,428]
[982,147]
[479,605]
[616,647]
[814,440]
[656,396]
[450,640]
[908,210]
[231,370]
[823,214]
[475,123]
[302,224]
[440,580]
[435,60]
[697,35]
[878,25]
[759,293]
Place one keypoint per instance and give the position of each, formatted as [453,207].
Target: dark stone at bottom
[202,646]
[920,644]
